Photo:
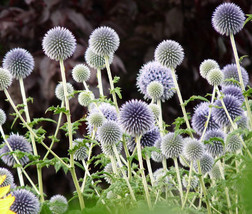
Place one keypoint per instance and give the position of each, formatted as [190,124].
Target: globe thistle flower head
[199,118]
[2,117]
[96,119]
[109,133]
[215,77]
[215,172]
[85,98]
[172,145]
[230,72]
[193,150]
[155,110]
[193,184]
[9,180]
[17,142]
[25,202]
[161,177]
[169,53]
[5,79]
[109,172]
[136,118]
[154,72]
[206,66]
[215,146]
[58,204]
[59,91]
[234,91]
[104,41]
[108,110]
[155,90]
[81,153]
[157,156]
[242,122]
[228,18]
[233,107]
[96,61]
[19,62]
[59,43]
[206,163]
[107,149]
[233,143]
[81,73]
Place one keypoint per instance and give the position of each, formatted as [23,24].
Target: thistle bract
[5,79]
[81,153]
[234,91]
[58,204]
[215,77]
[109,133]
[193,150]
[206,66]
[59,91]
[81,73]
[233,143]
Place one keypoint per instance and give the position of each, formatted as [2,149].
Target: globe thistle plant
[109,171]
[157,156]
[206,66]
[215,77]
[234,91]
[155,90]
[2,117]
[85,98]
[25,202]
[193,150]
[5,79]
[228,18]
[155,110]
[193,184]
[109,133]
[59,91]
[81,73]
[16,142]
[233,143]
[215,172]
[96,119]
[81,152]
[107,149]
[136,118]
[161,177]
[58,204]
[108,110]
[59,43]
[206,163]
[9,180]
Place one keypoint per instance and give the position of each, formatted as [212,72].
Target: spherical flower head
[2,117]
[215,77]
[234,91]
[25,202]
[59,43]
[242,122]
[104,41]
[230,72]
[9,180]
[214,146]
[109,172]
[194,181]
[155,110]
[206,163]
[155,90]
[233,143]
[96,119]
[81,73]
[161,177]
[169,53]
[5,79]
[206,66]
[193,149]
[157,156]
[109,133]
[85,98]
[107,149]
[199,118]
[108,110]
[19,62]
[136,118]
[215,173]
[233,107]
[155,72]
[96,61]
[59,91]
[81,153]
[17,142]
[58,204]
[228,18]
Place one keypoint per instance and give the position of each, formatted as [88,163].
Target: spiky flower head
[155,90]
[215,77]
[234,91]
[233,107]
[206,163]
[228,18]
[109,172]
[215,173]
[161,177]
[242,122]
[104,41]
[19,62]
[25,202]
[81,152]
[109,133]
[155,110]
[5,79]
[59,43]
[2,117]
[58,204]
[193,149]
[157,156]
[199,118]
[9,180]
[206,66]
[17,142]
[154,71]
[85,98]
[172,145]
[96,119]
[81,73]
[136,118]
[169,53]
[108,110]
[233,143]
[216,139]
[59,91]
[96,61]
[107,149]
[230,72]
[194,181]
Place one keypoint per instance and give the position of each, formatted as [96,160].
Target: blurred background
[141,25]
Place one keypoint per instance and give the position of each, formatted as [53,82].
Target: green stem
[179,179]
[20,176]
[99,78]
[114,165]
[150,169]
[85,86]
[70,136]
[160,118]
[188,185]
[127,157]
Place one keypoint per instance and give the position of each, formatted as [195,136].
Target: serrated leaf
[116,79]
[192,98]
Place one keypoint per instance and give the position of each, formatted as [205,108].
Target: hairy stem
[99,78]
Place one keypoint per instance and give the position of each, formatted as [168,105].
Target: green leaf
[117,90]
[242,57]
[35,121]
[116,79]
[192,98]
[248,19]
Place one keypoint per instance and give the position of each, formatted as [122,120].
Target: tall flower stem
[150,169]
[181,101]
[179,179]
[127,157]
[70,136]
[140,160]
[99,78]
[188,184]
[240,77]
[160,118]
